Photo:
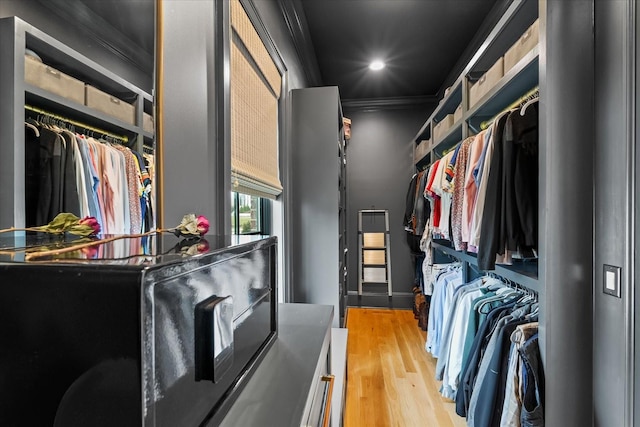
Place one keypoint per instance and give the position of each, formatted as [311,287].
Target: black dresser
[153,331]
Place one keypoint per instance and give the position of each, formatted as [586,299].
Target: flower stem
[54,252]
[6,230]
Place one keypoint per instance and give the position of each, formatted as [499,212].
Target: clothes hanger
[523,109]
[33,128]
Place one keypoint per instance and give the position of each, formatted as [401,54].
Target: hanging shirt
[430,194]
[409,203]
[436,312]
[441,187]
[78,168]
[470,187]
[92,179]
[458,194]
[475,230]
[457,336]
[489,220]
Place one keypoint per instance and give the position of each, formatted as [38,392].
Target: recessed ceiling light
[376,65]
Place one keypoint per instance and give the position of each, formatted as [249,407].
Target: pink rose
[203,246]
[203,225]
[92,223]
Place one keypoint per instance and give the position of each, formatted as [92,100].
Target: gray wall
[566,209]
[379,168]
[614,244]
[193,167]
[632,294]
[270,14]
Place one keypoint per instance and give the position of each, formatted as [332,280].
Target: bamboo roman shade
[255,89]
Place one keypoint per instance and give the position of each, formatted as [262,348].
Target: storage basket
[525,43]
[102,101]
[48,78]
[486,82]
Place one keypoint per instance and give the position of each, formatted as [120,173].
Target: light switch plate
[611,280]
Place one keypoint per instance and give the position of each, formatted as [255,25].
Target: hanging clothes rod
[532,94]
[75,123]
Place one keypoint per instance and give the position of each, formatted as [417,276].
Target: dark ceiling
[421,42]
[425,43]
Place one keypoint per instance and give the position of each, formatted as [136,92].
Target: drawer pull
[327,406]
[54,73]
[525,36]
[114,100]
[482,79]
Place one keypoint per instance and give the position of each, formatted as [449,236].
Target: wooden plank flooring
[390,376]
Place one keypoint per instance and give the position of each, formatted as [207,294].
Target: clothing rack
[532,94]
[61,121]
[504,272]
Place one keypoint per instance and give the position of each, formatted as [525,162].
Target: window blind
[255,89]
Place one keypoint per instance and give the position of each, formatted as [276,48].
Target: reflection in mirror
[89,70]
[116,34]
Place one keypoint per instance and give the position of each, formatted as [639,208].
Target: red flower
[203,246]
[91,222]
[203,225]
[191,226]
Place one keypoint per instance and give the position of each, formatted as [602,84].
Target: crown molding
[397,103]
[296,22]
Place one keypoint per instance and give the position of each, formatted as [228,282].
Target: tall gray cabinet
[318,215]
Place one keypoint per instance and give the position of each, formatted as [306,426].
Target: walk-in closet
[319,213]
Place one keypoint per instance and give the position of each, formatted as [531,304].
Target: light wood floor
[390,378]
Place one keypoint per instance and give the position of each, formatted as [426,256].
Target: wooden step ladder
[374,253]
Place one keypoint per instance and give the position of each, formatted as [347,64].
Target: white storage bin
[486,82]
[48,78]
[525,43]
[101,101]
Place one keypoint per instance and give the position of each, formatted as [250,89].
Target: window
[255,89]
[250,214]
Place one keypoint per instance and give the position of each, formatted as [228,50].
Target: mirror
[88,69]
